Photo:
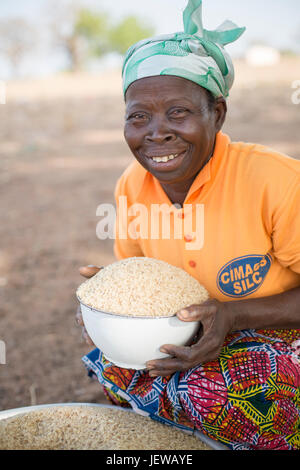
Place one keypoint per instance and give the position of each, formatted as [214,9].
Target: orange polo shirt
[238,231]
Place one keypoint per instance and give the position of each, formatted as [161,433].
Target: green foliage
[288,53]
[84,33]
[91,25]
[102,37]
[94,28]
[127,32]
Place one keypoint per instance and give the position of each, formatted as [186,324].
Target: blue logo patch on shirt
[244,275]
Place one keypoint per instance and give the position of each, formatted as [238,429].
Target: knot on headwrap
[196,54]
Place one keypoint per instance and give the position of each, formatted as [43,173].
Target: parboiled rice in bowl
[129,309]
[141,287]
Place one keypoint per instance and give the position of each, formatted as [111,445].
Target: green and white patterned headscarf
[195,54]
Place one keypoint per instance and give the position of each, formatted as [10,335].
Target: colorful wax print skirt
[247,399]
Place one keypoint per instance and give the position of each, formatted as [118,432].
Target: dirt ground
[61,151]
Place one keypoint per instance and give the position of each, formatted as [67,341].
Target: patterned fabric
[195,54]
[249,398]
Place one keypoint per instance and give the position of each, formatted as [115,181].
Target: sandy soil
[62,150]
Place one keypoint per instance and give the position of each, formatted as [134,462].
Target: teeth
[165,158]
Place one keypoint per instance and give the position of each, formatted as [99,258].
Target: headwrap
[196,54]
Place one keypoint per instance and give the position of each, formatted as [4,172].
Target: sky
[275,22]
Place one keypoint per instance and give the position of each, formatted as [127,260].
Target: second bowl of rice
[129,309]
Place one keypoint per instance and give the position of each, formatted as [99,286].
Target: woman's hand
[89,271]
[86,271]
[220,318]
[216,320]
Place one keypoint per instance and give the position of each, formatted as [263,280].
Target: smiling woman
[239,383]
[171,130]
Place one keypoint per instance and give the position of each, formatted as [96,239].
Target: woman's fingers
[184,357]
[84,333]
[163,369]
[86,337]
[78,316]
[197,312]
[188,313]
[180,359]
[89,271]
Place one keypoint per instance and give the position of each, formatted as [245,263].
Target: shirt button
[192,263]
[181,215]
[188,238]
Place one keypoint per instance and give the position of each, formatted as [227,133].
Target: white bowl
[130,342]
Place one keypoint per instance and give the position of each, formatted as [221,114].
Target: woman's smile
[166,161]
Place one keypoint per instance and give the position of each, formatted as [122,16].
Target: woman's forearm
[274,312]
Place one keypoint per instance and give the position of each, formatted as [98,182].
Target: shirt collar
[210,170]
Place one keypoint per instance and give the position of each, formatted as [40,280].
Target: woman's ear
[220,112]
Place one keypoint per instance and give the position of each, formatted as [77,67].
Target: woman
[239,382]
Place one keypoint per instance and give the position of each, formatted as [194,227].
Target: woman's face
[170,126]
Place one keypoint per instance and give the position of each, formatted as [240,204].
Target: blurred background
[62,150]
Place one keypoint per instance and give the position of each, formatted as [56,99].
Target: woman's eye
[178,112]
[138,117]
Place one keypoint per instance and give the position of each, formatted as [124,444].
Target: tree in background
[93,30]
[84,33]
[77,31]
[129,31]
[17,39]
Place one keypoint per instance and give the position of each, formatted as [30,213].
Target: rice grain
[141,286]
[91,428]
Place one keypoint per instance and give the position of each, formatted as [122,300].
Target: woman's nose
[159,132]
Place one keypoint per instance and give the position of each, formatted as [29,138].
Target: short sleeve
[286,228]
[124,246]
